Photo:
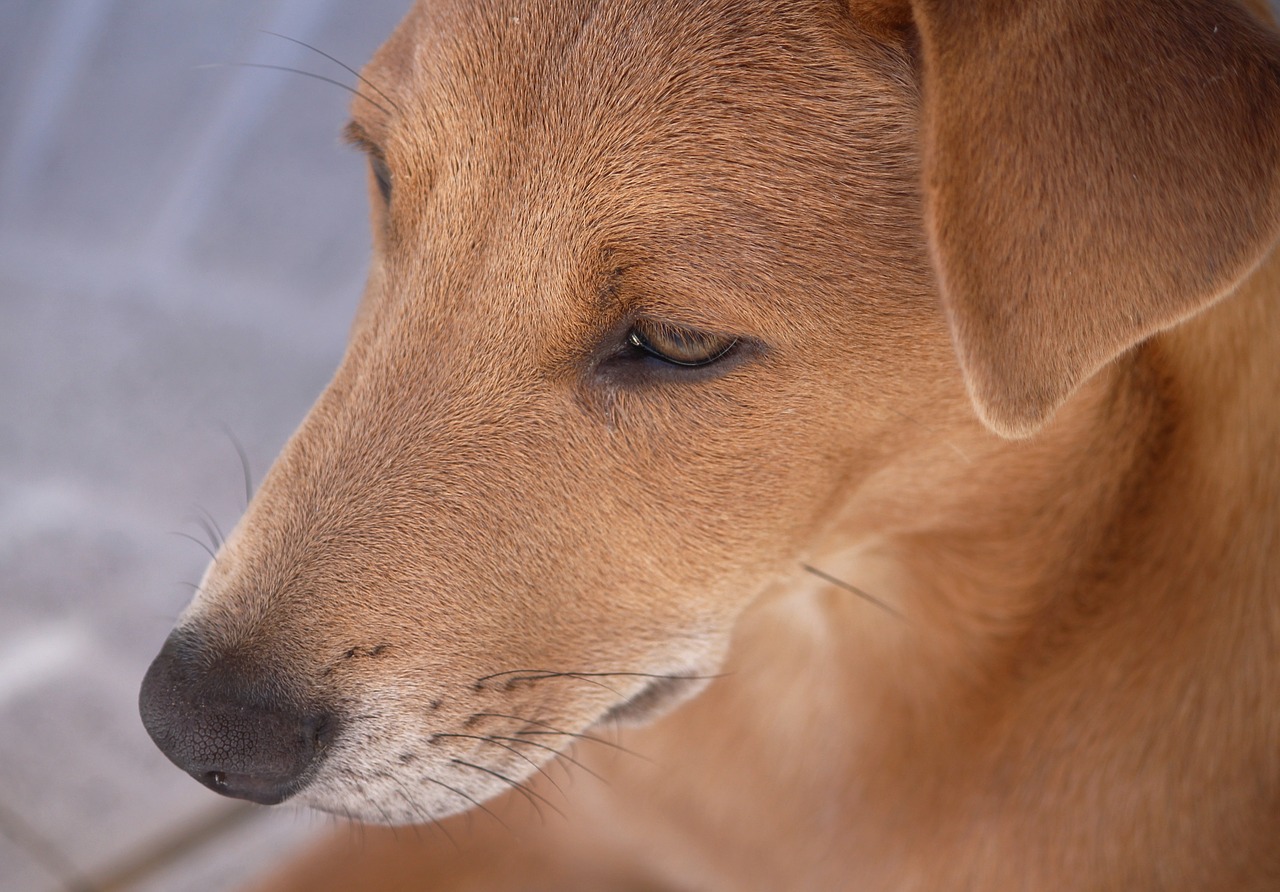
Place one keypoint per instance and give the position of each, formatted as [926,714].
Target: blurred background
[181,250]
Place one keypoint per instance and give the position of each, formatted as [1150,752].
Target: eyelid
[382,174]
[680,345]
[359,137]
[355,134]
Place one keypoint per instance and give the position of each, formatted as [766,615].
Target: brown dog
[969,303]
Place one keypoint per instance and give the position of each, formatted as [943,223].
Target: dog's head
[657,289]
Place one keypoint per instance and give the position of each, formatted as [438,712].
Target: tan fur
[938,226]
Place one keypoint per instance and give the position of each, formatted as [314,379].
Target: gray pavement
[181,249]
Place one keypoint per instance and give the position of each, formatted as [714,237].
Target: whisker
[420,812]
[352,824]
[538,674]
[511,749]
[364,80]
[840,583]
[516,676]
[244,463]
[319,77]
[210,527]
[524,791]
[556,731]
[477,803]
[559,753]
[386,817]
[958,451]
[424,813]
[207,549]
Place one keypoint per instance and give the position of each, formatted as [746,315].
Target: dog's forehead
[511,43]
[589,73]
[713,128]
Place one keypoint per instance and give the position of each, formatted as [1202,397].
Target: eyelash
[381,175]
[678,346]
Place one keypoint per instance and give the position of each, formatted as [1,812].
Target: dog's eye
[382,175]
[679,346]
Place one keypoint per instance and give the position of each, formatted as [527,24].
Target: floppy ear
[1095,171]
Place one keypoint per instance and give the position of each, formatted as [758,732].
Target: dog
[969,307]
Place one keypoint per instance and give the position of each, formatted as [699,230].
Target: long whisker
[476,802]
[244,464]
[559,753]
[319,77]
[354,827]
[364,80]
[418,811]
[207,549]
[537,674]
[852,589]
[553,730]
[514,678]
[511,749]
[211,528]
[386,817]
[525,791]
[958,451]
[517,676]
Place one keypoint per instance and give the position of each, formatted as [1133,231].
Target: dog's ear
[1095,171]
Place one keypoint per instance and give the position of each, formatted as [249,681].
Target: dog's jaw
[384,770]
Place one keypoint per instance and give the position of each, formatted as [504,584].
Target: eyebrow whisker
[364,80]
[319,77]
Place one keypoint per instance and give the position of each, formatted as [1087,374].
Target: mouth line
[654,699]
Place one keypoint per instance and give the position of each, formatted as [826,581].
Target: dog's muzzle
[231,727]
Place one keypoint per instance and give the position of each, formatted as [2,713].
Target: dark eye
[381,174]
[678,345]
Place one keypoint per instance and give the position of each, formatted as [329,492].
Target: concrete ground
[181,249]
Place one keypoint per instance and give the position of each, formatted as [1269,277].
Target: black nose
[232,728]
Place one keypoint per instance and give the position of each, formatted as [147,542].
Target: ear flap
[1095,171]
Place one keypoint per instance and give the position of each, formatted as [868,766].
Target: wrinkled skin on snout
[503,514]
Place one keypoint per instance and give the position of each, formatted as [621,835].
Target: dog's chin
[359,784]
[655,700]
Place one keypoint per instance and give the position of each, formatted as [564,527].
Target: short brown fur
[1009,320]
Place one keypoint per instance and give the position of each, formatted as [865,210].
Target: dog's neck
[1001,554]
[1048,599]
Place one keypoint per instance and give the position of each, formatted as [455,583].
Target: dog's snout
[237,734]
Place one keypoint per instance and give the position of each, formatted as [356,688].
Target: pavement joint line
[41,654]
[100,275]
[172,848]
[236,117]
[76,27]
[49,856]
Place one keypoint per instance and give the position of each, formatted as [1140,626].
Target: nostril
[275,755]
[227,724]
[271,763]
[255,787]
